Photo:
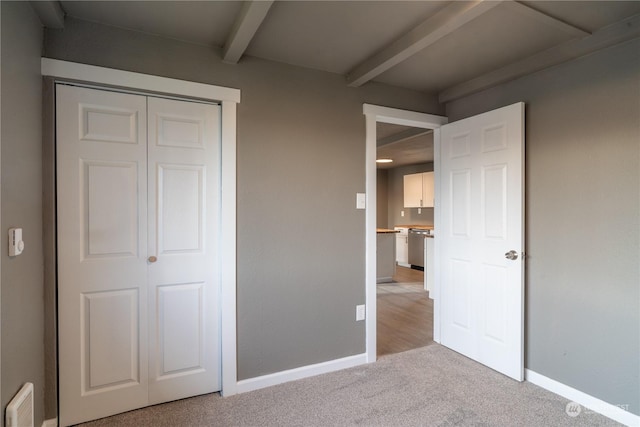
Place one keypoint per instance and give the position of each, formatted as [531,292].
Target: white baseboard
[53,422]
[614,412]
[299,373]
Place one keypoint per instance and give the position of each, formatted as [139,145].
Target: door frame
[374,114]
[100,77]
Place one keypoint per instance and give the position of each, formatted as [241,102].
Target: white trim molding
[616,413]
[52,422]
[300,373]
[374,114]
[128,79]
[229,98]
[228,249]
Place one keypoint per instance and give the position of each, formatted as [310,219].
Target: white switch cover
[16,245]
[401,213]
[361,201]
[419,211]
[360,312]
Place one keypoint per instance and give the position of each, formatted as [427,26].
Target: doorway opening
[404,222]
[483,156]
[414,124]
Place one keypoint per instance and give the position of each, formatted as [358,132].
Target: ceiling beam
[402,136]
[549,20]
[50,13]
[444,22]
[245,27]
[611,35]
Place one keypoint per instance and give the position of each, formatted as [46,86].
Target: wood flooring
[405,313]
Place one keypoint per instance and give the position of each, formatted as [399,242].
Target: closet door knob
[152,259]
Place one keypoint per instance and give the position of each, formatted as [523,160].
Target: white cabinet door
[427,190]
[482,167]
[429,265]
[402,247]
[413,190]
[135,330]
[418,190]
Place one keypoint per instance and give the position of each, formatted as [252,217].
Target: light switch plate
[361,201]
[360,312]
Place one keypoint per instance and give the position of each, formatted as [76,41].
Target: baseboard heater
[20,409]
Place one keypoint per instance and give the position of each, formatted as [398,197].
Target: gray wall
[583,228]
[22,293]
[301,150]
[396,198]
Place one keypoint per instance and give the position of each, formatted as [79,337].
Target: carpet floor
[429,386]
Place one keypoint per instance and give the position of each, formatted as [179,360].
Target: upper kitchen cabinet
[418,190]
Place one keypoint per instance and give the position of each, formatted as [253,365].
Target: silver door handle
[152,259]
[511,255]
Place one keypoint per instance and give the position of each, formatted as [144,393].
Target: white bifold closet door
[138,208]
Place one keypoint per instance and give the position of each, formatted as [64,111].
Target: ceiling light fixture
[384,161]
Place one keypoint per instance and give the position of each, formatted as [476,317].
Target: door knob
[152,259]
[511,255]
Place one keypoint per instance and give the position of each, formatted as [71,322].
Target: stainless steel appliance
[416,247]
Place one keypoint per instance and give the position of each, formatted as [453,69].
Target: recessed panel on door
[494,201]
[110,322]
[460,271]
[460,197]
[494,138]
[110,201]
[494,291]
[102,123]
[181,205]
[180,132]
[181,329]
[460,146]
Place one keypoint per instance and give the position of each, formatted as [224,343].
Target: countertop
[420,227]
[385,230]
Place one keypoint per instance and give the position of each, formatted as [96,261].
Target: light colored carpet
[430,386]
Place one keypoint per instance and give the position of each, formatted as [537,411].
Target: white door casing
[142,330]
[374,114]
[482,197]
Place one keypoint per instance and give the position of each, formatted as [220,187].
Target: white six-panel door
[183,203]
[137,286]
[482,196]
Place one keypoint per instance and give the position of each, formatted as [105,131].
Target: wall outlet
[419,211]
[360,312]
[401,213]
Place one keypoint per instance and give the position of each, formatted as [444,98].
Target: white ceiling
[447,48]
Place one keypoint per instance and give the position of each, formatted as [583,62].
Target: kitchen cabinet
[385,263]
[429,268]
[402,246]
[418,190]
